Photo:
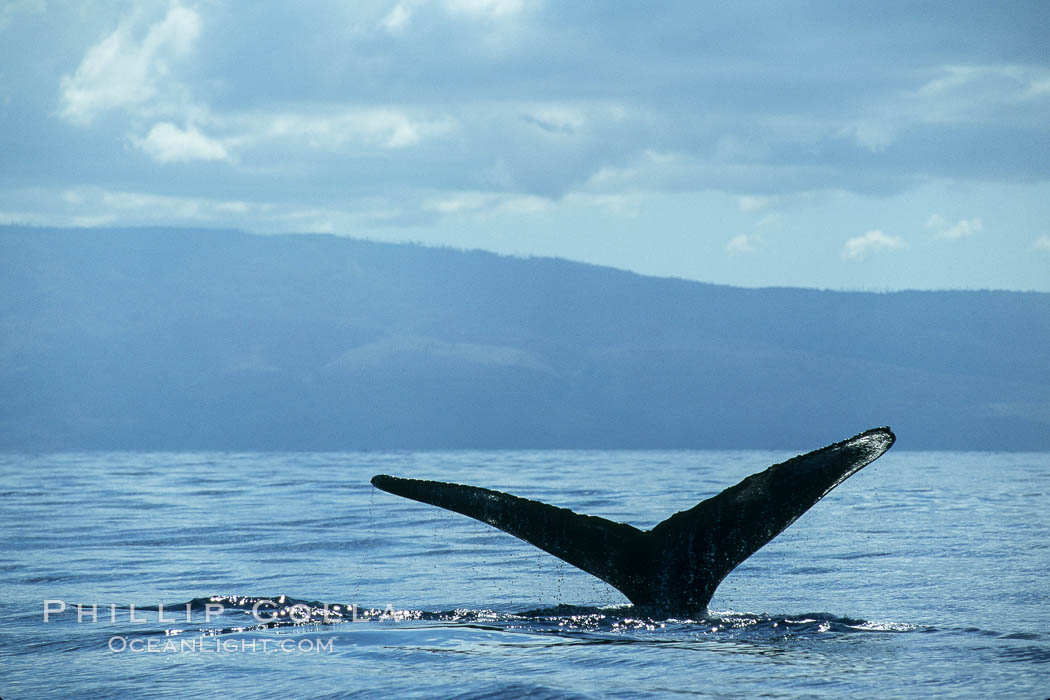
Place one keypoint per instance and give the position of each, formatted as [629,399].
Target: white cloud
[486,8]
[495,13]
[871,242]
[750,203]
[487,202]
[525,204]
[936,222]
[876,137]
[90,221]
[1042,244]
[396,21]
[121,72]
[965,92]
[1003,82]
[369,128]
[961,229]
[390,128]
[650,169]
[770,222]
[741,245]
[755,203]
[232,207]
[155,205]
[460,202]
[627,204]
[167,143]
[91,206]
[72,197]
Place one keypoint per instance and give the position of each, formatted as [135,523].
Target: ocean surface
[927,574]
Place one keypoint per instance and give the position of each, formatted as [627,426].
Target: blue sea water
[926,574]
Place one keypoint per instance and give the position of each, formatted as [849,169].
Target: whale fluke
[674,568]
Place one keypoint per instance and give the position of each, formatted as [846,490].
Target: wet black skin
[673,569]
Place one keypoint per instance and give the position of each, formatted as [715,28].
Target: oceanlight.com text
[214,645]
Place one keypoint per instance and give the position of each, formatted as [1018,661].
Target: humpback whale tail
[674,568]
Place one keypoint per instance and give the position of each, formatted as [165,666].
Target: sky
[866,146]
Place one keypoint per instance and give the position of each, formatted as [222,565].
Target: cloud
[874,241]
[386,127]
[460,202]
[486,203]
[122,72]
[741,245]
[404,13]
[876,137]
[627,204]
[749,203]
[495,9]
[936,222]
[1042,244]
[167,143]
[967,91]
[95,206]
[961,229]
[391,75]
[396,21]
[756,203]
[380,116]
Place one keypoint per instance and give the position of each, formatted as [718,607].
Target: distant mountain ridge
[204,339]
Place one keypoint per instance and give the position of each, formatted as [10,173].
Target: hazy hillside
[216,339]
